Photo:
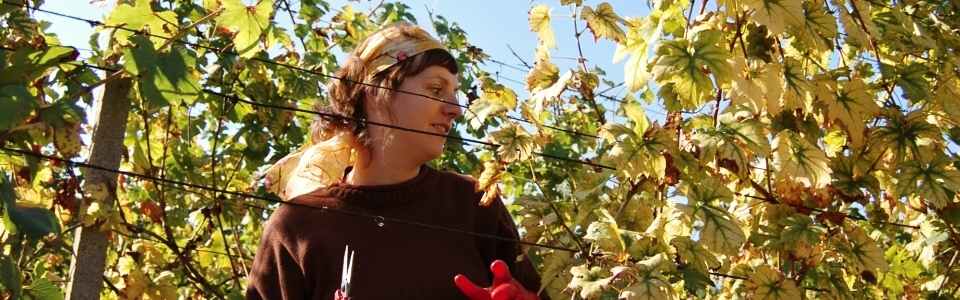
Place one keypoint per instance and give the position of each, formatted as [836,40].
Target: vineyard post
[90,243]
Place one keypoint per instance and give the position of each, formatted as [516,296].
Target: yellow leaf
[852,103]
[636,44]
[515,143]
[603,22]
[67,140]
[543,75]
[140,16]
[859,250]
[800,161]
[776,14]
[693,254]
[834,140]
[540,23]
[768,283]
[551,93]
[248,23]
[721,232]
[795,86]
[496,99]
[935,181]
[855,34]
[819,27]
[635,113]
[492,171]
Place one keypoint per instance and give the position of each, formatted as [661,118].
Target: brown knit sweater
[300,254]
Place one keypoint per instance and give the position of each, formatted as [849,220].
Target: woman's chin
[435,152]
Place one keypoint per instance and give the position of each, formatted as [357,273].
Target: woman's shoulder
[295,213]
[456,179]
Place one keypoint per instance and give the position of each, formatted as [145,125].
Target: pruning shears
[349,259]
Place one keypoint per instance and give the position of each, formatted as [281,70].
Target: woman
[369,170]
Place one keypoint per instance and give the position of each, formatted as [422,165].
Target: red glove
[504,286]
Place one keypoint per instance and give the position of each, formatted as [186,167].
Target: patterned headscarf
[321,163]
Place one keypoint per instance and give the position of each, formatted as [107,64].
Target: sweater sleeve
[276,273]
[510,252]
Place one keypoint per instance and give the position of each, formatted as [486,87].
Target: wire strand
[95,23]
[273,200]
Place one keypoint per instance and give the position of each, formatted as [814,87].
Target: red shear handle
[504,286]
[339,295]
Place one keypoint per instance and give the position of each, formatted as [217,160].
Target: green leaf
[164,78]
[721,232]
[603,22]
[911,78]
[695,281]
[10,278]
[685,63]
[35,222]
[248,24]
[905,135]
[936,181]
[818,27]
[43,289]
[16,105]
[540,23]
[26,64]
[140,16]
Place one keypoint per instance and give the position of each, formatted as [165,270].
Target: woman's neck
[380,168]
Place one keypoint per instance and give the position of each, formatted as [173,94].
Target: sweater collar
[372,196]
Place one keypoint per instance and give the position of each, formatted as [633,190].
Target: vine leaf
[164,78]
[800,161]
[776,14]
[248,23]
[603,22]
[721,233]
[495,99]
[859,250]
[650,282]
[850,102]
[16,104]
[768,283]
[936,181]
[540,23]
[688,65]
[140,16]
[543,75]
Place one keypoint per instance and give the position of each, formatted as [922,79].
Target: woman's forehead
[438,73]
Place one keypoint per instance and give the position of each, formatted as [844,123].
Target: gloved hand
[504,287]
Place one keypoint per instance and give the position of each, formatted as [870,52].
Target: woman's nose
[452,110]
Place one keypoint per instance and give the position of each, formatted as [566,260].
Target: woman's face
[420,113]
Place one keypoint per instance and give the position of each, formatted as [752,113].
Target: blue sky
[490,25]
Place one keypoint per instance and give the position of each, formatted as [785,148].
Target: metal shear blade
[349,259]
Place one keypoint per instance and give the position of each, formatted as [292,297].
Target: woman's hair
[346,97]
